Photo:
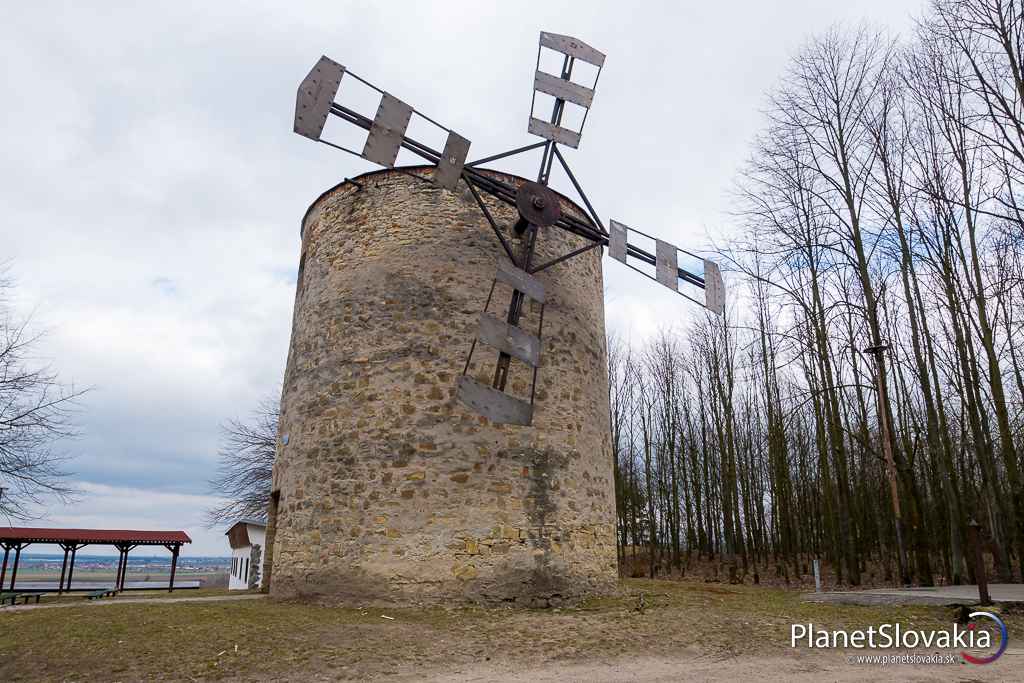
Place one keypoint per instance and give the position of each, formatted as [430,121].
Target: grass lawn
[263,639]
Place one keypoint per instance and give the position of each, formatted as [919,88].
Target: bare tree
[881,208]
[36,411]
[246,466]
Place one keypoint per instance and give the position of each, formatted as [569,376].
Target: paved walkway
[939,595]
[123,601]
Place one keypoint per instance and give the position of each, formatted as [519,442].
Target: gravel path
[800,667]
[938,595]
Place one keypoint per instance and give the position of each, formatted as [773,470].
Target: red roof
[91,536]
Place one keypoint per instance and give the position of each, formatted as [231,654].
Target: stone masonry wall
[391,491]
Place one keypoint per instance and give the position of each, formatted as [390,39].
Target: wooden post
[63,568]
[17,558]
[124,572]
[3,572]
[174,565]
[71,569]
[120,564]
[974,539]
[817,575]
[124,568]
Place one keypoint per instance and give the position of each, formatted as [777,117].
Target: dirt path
[125,601]
[698,667]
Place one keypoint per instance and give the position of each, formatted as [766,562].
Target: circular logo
[1004,638]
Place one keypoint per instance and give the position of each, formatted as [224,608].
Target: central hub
[538,205]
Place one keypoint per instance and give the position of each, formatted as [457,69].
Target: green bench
[25,597]
[106,592]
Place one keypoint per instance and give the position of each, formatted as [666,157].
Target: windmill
[538,207]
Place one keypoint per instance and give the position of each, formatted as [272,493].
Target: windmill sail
[563,89]
[386,131]
[668,272]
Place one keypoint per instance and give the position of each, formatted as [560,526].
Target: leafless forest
[862,400]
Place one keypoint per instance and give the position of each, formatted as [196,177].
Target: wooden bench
[106,592]
[25,597]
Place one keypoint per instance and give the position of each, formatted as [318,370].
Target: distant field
[139,594]
[104,574]
[30,580]
[47,568]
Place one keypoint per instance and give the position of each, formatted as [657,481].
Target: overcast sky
[151,186]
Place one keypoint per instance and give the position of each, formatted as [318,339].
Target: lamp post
[974,539]
[878,353]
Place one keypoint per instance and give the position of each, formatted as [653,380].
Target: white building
[247,539]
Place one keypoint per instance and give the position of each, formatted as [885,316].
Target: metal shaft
[515,307]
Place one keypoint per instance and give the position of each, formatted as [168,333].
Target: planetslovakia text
[889,636]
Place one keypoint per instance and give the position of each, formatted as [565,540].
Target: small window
[245,576]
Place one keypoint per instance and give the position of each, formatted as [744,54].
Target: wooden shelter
[73,540]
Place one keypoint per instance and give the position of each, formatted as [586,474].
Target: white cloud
[113,507]
[151,187]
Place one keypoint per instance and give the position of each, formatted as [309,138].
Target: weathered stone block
[465,572]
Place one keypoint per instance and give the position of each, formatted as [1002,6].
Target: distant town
[47,563]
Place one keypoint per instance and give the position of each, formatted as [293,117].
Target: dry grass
[300,642]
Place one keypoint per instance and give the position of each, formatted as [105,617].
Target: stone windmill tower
[413,465]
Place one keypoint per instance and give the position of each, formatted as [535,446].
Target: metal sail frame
[537,206]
